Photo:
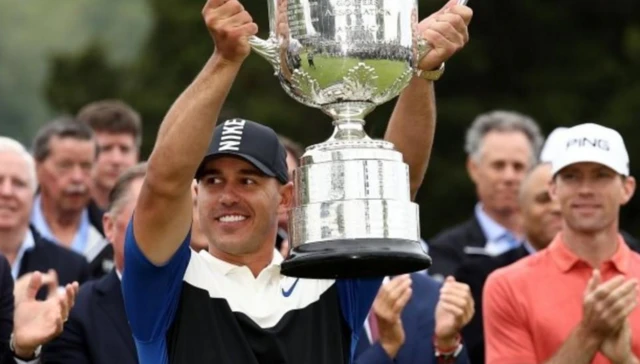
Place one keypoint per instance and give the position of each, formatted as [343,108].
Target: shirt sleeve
[356,298]
[151,294]
[507,338]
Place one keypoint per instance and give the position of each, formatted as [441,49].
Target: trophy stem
[349,129]
[348,119]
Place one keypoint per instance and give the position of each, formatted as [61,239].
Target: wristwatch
[12,347]
[433,75]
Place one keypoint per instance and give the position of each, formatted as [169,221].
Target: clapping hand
[37,322]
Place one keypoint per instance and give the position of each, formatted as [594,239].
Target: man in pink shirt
[575,301]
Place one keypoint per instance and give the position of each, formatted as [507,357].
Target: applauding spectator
[416,319]
[573,302]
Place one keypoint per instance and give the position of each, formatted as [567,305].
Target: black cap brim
[256,163]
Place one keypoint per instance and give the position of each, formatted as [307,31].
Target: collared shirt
[499,239]
[27,244]
[533,305]
[231,316]
[80,241]
[528,247]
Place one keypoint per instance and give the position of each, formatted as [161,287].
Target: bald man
[541,221]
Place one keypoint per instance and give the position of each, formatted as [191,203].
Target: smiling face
[590,196]
[238,205]
[16,191]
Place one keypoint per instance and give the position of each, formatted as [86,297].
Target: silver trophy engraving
[353,216]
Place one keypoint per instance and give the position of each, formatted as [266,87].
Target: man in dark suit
[541,221]
[23,246]
[97,331]
[501,147]
[407,314]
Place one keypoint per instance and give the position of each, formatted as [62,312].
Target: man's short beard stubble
[587,229]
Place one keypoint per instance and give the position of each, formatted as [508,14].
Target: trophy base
[355,258]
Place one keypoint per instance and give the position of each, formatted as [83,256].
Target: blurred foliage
[31,31]
[561,62]
[91,64]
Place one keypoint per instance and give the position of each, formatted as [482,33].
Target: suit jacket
[447,249]
[46,255]
[101,263]
[97,331]
[418,319]
[474,273]
[6,310]
[95,216]
[100,256]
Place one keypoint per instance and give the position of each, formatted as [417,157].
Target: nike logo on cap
[231,135]
[288,292]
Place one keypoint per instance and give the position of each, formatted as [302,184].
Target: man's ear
[40,171]
[109,226]
[553,192]
[194,191]
[472,169]
[286,198]
[628,189]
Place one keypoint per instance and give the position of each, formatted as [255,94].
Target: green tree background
[31,32]
[561,62]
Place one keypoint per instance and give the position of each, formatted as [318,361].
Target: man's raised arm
[412,124]
[164,210]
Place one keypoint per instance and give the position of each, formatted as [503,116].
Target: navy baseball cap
[253,142]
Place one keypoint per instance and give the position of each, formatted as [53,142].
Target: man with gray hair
[65,153]
[501,147]
[97,331]
[23,246]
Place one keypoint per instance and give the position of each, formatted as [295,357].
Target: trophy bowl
[353,216]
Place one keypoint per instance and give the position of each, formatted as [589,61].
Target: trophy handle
[423,46]
[267,49]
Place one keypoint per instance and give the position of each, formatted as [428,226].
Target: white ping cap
[554,143]
[592,143]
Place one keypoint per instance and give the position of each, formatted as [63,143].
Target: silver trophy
[353,215]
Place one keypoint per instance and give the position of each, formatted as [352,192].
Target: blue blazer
[418,319]
[97,331]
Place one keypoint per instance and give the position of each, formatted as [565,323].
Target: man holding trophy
[234,303]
